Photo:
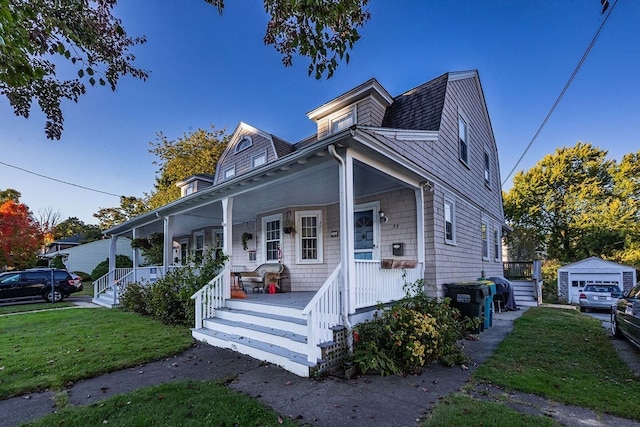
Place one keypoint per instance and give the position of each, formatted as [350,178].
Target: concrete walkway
[331,401]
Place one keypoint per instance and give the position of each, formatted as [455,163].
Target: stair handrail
[323,312]
[209,298]
[104,283]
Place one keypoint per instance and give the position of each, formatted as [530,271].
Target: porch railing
[123,276]
[323,313]
[209,298]
[106,282]
[375,285]
[518,270]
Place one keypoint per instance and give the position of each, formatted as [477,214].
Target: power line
[564,89]
[59,180]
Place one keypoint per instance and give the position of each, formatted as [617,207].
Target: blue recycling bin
[488,305]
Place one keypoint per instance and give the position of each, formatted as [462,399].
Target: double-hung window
[449,222]
[272,233]
[198,246]
[496,245]
[485,240]
[487,169]
[463,140]
[309,237]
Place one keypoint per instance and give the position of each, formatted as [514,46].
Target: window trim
[239,146]
[484,239]
[336,117]
[299,215]
[497,256]
[197,234]
[452,204]
[256,156]
[226,171]
[462,118]
[263,232]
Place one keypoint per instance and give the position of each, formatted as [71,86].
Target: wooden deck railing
[209,298]
[518,270]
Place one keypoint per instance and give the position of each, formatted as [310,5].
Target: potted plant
[245,238]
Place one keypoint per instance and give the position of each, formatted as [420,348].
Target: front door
[366,231]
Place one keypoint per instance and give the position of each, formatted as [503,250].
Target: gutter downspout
[343,246]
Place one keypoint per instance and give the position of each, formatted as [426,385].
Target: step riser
[264,308]
[272,323]
[283,362]
[298,347]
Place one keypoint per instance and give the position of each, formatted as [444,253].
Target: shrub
[414,332]
[135,298]
[56,262]
[122,261]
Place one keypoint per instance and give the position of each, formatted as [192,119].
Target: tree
[559,197]
[38,35]
[72,226]
[130,207]
[20,236]
[192,154]
[47,220]
[10,194]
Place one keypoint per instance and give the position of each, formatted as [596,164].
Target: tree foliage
[577,203]
[20,236]
[9,194]
[192,154]
[37,36]
[72,226]
[130,207]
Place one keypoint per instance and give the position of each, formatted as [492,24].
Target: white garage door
[579,280]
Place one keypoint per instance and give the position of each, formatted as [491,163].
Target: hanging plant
[245,238]
[288,227]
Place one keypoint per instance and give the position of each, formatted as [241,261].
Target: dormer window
[190,188]
[342,120]
[244,143]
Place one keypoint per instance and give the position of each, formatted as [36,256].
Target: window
[309,237]
[485,241]
[259,160]
[496,244]
[342,121]
[190,188]
[229,172]
[463,137]
[184,251]
[198,246]
[449,222]
[271,233]
[244,143]
[487,169]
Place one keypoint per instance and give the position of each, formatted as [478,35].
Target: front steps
[106,299]
[523,293]
[266,332]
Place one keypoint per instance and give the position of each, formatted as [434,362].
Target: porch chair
[258,279]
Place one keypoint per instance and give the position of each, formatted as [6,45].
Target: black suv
[35,283]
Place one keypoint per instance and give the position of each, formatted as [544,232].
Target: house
[85,257]
[572,278]
[389,190]
[66,243]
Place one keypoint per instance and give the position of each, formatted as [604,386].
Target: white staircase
[105,299]
[524,293]
[272,333]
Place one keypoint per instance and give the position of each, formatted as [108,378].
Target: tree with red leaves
[20,236]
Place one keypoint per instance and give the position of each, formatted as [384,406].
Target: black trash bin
[469,298]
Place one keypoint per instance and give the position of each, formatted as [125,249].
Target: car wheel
[55,296]
[615,330]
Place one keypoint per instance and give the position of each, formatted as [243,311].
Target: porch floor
[297,300]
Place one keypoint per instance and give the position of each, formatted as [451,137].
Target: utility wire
[59,180]
[564,90]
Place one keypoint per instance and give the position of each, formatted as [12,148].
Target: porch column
[348,245]
[135,256]
[167,244]
[113,248]
[227,246]
[419,192]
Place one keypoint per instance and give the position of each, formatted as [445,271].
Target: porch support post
[420,229]
[113,247]
[346,236]
[135,256]
[227,247]
[167,248]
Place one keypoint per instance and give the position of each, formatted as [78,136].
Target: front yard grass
[172,404]
[32,306]
[48,349]
[566,357]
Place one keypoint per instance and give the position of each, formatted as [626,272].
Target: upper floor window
[190,188]
[243,144]
[487,169]
[271,235]
[496,244]
[342,120]
[259,160]
[309,237]
[449,222]
[463,140]
[485,240]
[229,172]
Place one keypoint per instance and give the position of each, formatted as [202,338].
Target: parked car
[77,281]
[36,283]
[625,317]
[599,296]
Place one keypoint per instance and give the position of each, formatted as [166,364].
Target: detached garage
[572,278]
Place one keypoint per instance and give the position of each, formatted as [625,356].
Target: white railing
[323,312]
[106,282]
[376,285]
[210,298]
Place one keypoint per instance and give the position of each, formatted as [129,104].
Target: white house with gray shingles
[572,278]
[389,190]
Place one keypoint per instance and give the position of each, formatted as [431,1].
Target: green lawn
[33,306]
[47,349]
[567,357]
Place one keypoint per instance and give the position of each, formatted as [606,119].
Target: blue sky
[207,69]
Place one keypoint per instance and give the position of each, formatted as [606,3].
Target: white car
[600,296]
